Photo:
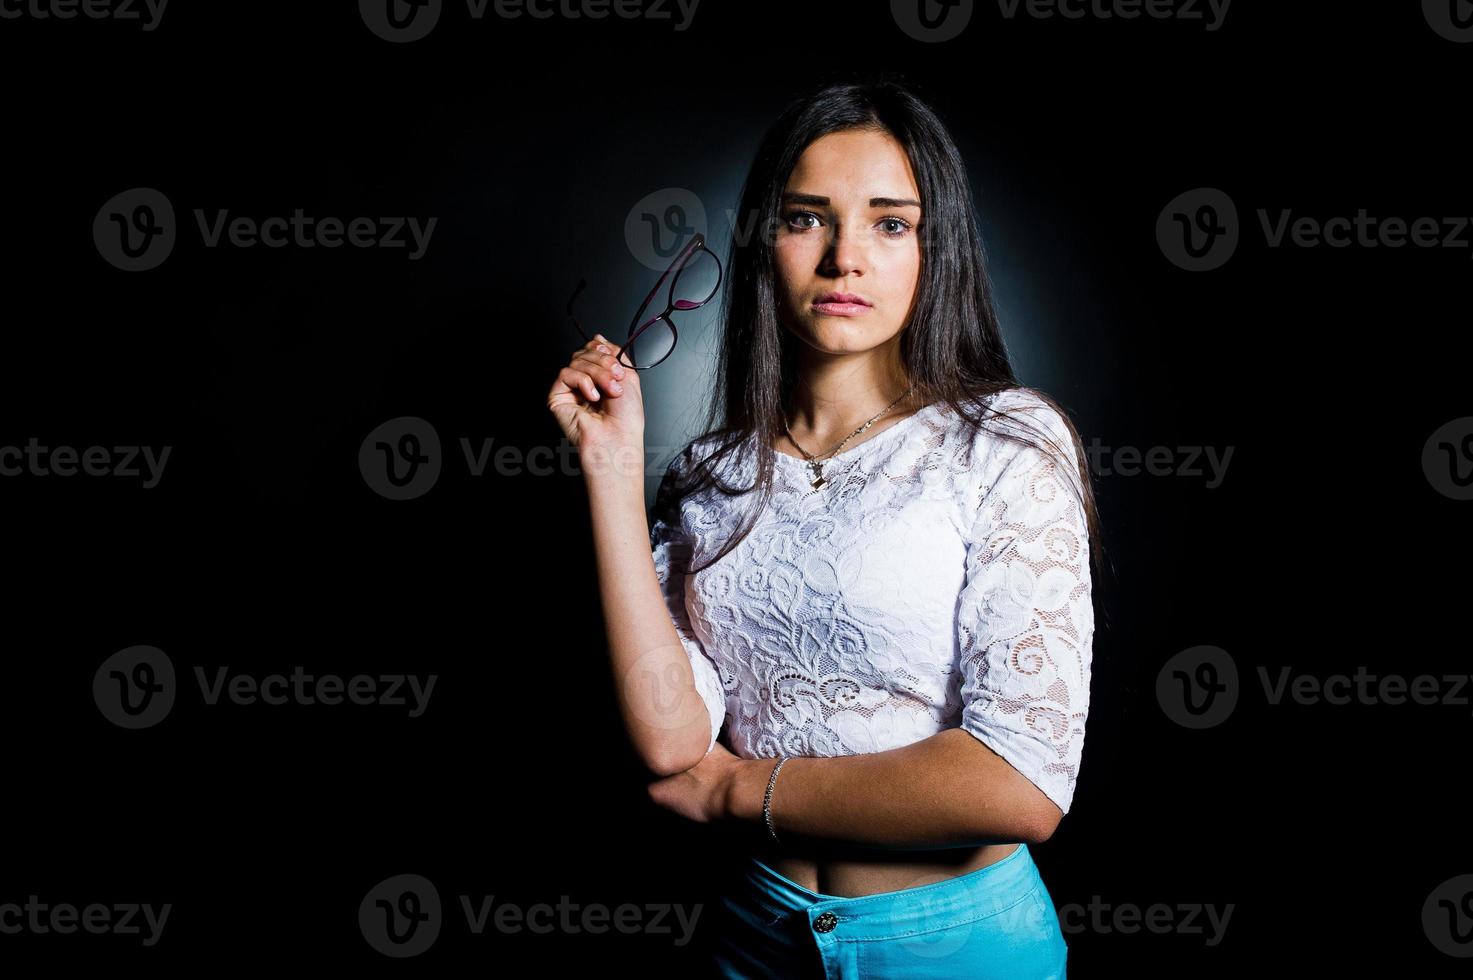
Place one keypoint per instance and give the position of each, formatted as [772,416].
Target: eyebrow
[818,200]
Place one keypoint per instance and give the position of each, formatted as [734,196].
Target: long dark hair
[951,349]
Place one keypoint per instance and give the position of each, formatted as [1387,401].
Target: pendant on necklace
[817,469]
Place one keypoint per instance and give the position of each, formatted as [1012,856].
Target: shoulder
[1017,420]
[1031,404]
[1023,455]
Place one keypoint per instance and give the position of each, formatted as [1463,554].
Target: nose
[845,255]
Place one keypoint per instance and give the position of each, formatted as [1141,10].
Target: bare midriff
[850,872]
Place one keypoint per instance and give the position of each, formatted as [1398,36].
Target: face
[849,224]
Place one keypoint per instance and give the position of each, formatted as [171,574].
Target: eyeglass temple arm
[697,242]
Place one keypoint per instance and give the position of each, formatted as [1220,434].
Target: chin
[839,334]
[848,329]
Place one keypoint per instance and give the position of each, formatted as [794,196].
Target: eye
[904,226]
[891,227]
[794,215]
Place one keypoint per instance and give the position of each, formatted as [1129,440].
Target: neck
[835,396]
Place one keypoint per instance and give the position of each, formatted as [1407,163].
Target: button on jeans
[995,922]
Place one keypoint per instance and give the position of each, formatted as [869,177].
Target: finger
[604,368]
[579,382]
[602,344]
[604,358]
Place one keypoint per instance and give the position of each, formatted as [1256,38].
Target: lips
[841,304]
[844,299]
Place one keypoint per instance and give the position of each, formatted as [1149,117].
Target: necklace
[814,463]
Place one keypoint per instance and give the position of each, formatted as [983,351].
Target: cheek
[789,262]
[902,272]
[906,261]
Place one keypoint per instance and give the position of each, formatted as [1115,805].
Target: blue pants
[995,922]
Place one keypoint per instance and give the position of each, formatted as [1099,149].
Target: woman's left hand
[703,794]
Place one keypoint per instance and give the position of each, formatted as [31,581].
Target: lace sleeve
[671,551]
[1025,619]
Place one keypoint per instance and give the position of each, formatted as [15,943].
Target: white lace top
[937,581]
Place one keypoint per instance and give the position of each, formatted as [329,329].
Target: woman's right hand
[597,401]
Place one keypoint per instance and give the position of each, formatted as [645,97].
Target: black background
[1325,547]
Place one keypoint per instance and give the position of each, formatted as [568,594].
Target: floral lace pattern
[940,580]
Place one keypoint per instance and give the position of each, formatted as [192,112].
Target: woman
[873,570]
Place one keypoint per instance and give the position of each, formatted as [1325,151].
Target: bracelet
[767,798]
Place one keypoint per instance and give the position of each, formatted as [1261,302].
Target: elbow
[672,758]
[661,767]
[1043,822]
[1040,831]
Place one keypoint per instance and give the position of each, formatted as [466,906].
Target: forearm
[948,790]
[667,721]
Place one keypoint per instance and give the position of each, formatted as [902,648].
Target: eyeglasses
[651,339]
